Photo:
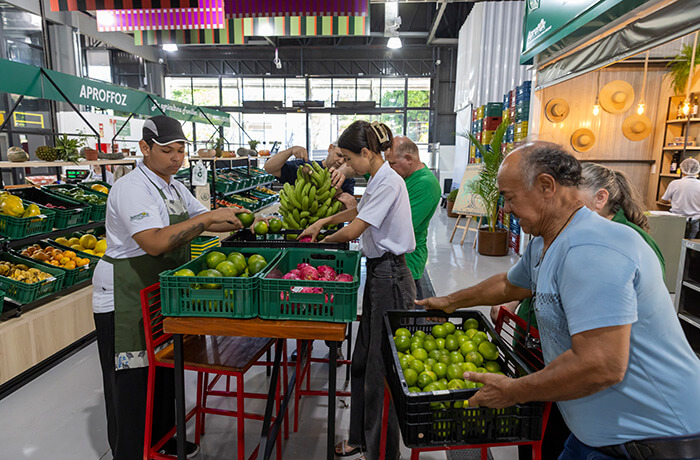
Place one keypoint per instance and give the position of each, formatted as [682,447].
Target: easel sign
[467,204]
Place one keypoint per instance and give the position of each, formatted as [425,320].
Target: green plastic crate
[282,299]
[76,213]
[75,276]
[87,185]
[21,227]
[24,293]
[202,243]
[97,212]
[230,298]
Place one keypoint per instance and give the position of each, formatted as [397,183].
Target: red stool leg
[297,386]
[205,393]
[147,450]
[415,453]
[385,420]
[240,399]
[278,399]
[199,415]
[284,390]
[484,453]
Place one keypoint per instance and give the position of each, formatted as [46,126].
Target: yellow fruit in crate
[99,254]
[73,241]
[77,247]
[63,241]
[31,211]
[101,246]
[88,241]
[100,188]
[89,251]
[11,205]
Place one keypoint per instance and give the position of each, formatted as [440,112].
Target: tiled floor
[60,415]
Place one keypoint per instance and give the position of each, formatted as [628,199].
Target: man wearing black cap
[151,219]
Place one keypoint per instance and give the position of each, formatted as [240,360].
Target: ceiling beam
[436,21]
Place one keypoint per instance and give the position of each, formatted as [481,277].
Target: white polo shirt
[684,195]
[134,205]
[386,208]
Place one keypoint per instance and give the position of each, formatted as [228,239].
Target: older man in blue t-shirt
[617,362]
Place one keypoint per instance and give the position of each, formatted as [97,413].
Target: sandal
[341,449]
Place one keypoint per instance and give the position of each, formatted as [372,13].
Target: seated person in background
[684,195]
[286,171]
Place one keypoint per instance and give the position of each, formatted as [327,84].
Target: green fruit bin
[74,214]
[78,274]
[202,243]
[87,185]
[24,293]
[337,301]
[443,424]
[227,297]
[21,227]
[97,211]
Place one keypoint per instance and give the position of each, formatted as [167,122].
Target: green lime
[488,350]
[417,366]
[214,258]
[402,342]
[449,327]
[467,347]
[423,380]
[410,376]
[454,371]
[440,369]
[402,331]
[246,218]
[184,272]
[439,331]
[470,323]
[420,354]
[492,366]
[474,357]
[456,357]
[429,345]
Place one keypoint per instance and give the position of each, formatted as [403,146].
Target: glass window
[393,120]
[295,91]
[321,128]
[178,89]
[274,89]
[231,92]
[418,92]
[417,125]
[23,36]
[368,89]
[295,131]
[98,65]
[233,133]
[253,89]
[206,135]
[320,90]
[393,92]
[205,91]
[344,89]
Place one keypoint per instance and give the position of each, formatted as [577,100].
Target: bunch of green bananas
[310,198]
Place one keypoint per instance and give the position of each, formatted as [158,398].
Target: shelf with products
[682,130]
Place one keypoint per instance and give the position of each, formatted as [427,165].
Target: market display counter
[39,334]
[256,327]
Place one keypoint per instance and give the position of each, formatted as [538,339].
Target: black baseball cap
[163,130]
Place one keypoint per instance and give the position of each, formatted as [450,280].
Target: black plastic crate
[423,426]
[245,238]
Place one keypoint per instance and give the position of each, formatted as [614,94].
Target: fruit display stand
[442,420]
[58,165]
[22,292]
[21,227]
[97,210]
[88,185]
[72,276]
[73,213]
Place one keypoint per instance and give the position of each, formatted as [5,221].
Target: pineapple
[46,153]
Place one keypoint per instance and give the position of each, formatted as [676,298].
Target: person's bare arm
[494,290]
[156,241]
[596,360]
[350,232]
[314,229]
[348,200]
[275,163]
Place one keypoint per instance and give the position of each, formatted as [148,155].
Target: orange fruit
[54,262]
[64,260]
[69,265]
[69,254]
[57,255]
[82,262]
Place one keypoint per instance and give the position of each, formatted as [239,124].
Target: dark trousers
[389,286]
[555,436]
[130,395]
[104,329]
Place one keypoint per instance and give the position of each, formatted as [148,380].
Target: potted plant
[492,241]
[679,68]
[451,197]
[67,149]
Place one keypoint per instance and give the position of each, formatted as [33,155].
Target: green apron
[130,276]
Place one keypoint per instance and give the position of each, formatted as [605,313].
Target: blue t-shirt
[288,174]
[598,274]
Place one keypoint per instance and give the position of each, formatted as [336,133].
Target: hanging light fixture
[640,108]
[686,104]
[596,106]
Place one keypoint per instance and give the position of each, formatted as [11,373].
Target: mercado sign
[549,21]
[48,84]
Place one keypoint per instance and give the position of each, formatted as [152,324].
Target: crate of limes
[222,282]
[96,200]
[425,364]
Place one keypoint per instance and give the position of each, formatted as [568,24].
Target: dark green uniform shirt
[424,194]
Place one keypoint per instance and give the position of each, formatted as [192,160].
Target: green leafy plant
[452,196]
[679,68]
[67,149]
[485,185]
[253,144]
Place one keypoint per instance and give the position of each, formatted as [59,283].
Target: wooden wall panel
[16,350]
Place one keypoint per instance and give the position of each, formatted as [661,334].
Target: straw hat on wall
[636,127]
[616,97]
[582,140]
[556,110]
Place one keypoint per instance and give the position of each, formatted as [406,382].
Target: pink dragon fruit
[306,239]
[291,276]
[309,273]
[302,265]
[312,290]
[326,273]
[344,277]
[296,272]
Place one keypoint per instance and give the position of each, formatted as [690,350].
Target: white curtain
[488,53]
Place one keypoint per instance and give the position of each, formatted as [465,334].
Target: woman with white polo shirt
[382,222]
[151,219]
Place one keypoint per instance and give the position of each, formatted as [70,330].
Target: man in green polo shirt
[424,195]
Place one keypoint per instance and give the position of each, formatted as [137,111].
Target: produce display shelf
[15,228]
[76,213]
[14,309]
[245,189]
[422,425]
[52,234]
[22,292]
[98,211]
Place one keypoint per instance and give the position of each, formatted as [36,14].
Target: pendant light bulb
[640,108]
[596,109]
[686,108]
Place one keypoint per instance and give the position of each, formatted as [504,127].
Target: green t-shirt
[524,309]
[424,194]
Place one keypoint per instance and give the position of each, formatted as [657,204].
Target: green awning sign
[37,82]
[547,22]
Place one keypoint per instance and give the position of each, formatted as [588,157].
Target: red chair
[229,356]
[513,331]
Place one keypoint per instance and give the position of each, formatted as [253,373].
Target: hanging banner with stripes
[85,5]
[237,29]
[210,15]
[275,8]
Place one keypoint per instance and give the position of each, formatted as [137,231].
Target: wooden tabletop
[256,327]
